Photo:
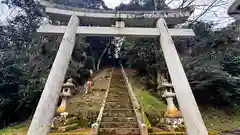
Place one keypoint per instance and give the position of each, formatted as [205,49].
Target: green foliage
[211,61]
[221,118]
[94,4]
[151,105]
[140,54]
[19,90]
[146,5]
[26,59]
[16,128]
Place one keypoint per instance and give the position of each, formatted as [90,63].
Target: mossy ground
[84,107]
[16,128]
[221,118]
[216,119]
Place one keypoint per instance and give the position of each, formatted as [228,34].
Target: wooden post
[188,106]
[46,108]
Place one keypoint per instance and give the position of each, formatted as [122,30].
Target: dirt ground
[92,100]
[88,106]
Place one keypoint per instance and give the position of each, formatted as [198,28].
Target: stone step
[119,119]
[116,92]
[118,79]
[122,86]
[81,131]
[117,104]
[118,113]
[117,83]
[119,124]
[119,87]
[118,97]
[123,100]
[119,131]
[233,132]
[168,133]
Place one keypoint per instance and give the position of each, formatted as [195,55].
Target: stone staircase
[118,116]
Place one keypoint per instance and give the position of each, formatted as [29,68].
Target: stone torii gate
[139,23]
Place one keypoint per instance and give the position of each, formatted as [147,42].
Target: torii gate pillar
[46,108]
[188,106]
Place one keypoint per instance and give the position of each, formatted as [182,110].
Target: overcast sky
[114,3]
[218,15]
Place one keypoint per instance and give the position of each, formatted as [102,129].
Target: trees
[144,5]
[206,64]
[208,59]
[94,4]
[139,53]
[26,59]
[18,46]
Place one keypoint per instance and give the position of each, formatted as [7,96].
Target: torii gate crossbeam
[113,31]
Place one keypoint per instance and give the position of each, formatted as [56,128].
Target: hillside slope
[215,118]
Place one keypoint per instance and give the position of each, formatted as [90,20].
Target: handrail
[141,107]
[136,105]
[95,126]
[133,97]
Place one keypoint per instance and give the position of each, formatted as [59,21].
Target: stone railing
[136,105]
[96,125]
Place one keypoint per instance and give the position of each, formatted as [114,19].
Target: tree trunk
[93,64]
[100,59]
[93,60]
[159,75]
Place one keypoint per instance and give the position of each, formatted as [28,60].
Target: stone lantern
[65,94]
[173,115]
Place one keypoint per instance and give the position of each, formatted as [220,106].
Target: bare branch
[206,10]
[170,2]
[183,2]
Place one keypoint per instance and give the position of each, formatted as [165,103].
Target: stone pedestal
[172,115]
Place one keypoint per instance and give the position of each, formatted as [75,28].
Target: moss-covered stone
[68,127]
